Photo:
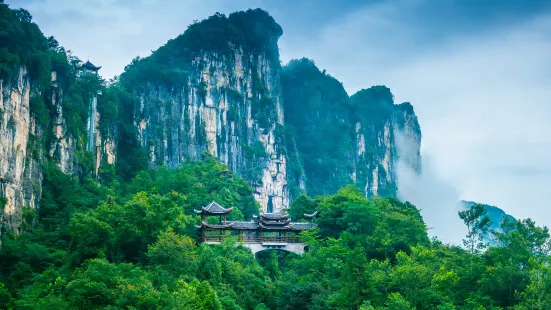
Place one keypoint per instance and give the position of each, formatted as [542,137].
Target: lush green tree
[195,295]
[478,225]
[100,283]
[172,257]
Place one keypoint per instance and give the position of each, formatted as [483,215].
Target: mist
[431,194]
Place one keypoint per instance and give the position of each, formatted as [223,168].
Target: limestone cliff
[334,140]
[63,147]
[318,130]
[80,147]
[228,102]
[379,126]
[20,174]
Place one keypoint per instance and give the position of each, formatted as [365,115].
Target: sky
[478,73]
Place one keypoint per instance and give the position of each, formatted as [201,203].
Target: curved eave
[275,223]
[282,217]
[273,227]
[311,216]
[204,211]
[210,226]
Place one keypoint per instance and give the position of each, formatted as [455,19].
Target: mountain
[217,89]
[495,214]
[334,140]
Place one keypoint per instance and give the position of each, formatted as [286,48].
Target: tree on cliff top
[251,31]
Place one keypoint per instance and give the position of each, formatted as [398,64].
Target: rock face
[63,146]
[229,105]
[334,140]
[21,141]
[20,174]
[379,126]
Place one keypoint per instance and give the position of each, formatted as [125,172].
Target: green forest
[127,239]
[135,246]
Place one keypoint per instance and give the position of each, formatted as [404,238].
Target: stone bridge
[289,244]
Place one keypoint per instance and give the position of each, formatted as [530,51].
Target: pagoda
[267,230]
[88,67]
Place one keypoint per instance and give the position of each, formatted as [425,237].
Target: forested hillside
[110,224]
[135,245]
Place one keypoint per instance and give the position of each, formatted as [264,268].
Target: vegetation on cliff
[318,130]
[333,140]
[251,32]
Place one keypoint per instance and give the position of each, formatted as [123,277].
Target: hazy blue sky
[477,72]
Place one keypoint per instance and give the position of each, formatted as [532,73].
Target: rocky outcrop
[380,127]
[407,134]
[223,97]
[20,173]
[21,141]
[334,140]
[218,89]
[218,111]
[63,147]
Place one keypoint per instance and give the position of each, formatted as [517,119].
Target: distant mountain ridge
[495,214]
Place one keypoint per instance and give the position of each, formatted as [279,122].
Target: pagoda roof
[272,223]
[213,209]
[274,216]
[89,65]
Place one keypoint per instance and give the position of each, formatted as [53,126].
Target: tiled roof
[89,65]
[214,207]
[274,216]
[277,223]
[244,225]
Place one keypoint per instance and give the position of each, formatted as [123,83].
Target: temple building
[88,67]
[265,231]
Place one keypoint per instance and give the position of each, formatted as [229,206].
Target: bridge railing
[281,239]
[254,239]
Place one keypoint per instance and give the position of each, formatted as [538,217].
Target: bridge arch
[296,248]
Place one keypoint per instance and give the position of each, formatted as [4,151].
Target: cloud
[483,97]
[436,199]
